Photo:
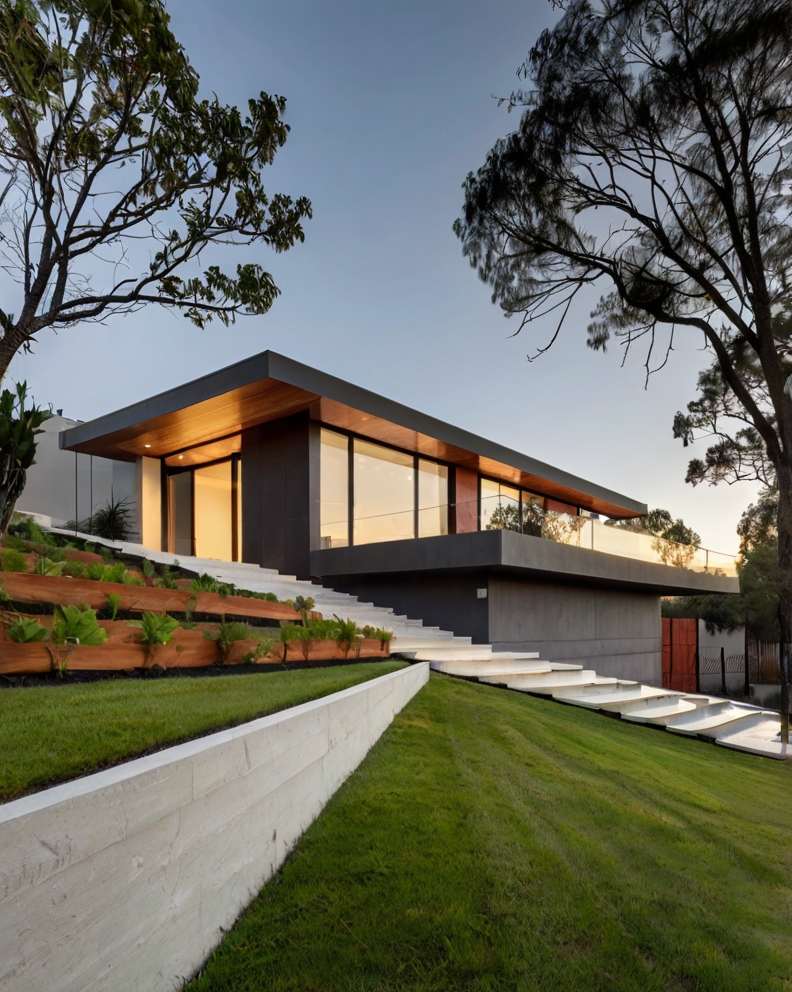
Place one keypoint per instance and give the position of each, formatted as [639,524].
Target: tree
[652,165]
[106,151]
[19,427]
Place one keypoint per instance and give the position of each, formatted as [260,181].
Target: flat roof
[216,408]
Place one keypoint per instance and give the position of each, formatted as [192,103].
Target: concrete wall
[616,632]
[280,494]
[126,880]
[447,600]
[148,476]
[67,486]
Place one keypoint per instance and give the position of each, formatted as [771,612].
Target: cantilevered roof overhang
[216,408]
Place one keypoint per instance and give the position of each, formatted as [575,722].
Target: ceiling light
[146,445]
[180,457]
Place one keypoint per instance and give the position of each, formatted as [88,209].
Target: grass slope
[48,735]
[491,841]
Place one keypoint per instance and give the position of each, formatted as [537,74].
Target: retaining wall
[126,880]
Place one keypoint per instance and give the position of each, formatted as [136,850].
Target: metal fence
[719,672]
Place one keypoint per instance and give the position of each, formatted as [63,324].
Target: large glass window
[334,490]
[432,499]
[384,494]
[500,506]
[213,510]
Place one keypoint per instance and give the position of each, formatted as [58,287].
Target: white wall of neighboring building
[67,486]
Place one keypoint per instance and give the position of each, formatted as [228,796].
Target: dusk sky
[390,106]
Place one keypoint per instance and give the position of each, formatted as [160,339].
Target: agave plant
[19,427]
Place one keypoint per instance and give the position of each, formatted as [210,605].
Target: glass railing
[532,520]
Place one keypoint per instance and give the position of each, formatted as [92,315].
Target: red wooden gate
[680,646]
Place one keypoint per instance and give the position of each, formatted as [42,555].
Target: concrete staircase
[735,725]
[739,726]
[411,637]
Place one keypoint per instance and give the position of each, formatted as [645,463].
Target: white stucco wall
[64,485]
[126,880]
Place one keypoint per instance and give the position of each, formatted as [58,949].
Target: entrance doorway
[204,511]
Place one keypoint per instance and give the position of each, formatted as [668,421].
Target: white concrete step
[608,697]
[544,683]
[759,734]
[660,711]
[488,669]
[711,720]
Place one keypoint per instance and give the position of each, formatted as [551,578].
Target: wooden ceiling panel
[211,427]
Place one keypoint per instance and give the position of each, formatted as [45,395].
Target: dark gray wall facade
[280,481]
[616,632]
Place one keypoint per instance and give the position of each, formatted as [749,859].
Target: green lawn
[48,734]
[491,841]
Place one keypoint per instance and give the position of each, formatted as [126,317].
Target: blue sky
[390,106]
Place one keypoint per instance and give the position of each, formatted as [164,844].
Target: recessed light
[180,457]
[146,445]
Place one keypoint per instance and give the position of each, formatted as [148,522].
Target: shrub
[148,569]
[113,600]
[46,566]
[114,573]
[377,634]
[26,630]
[156,628]
[204,583]
[77,625]
[13,560]
[228,633]
[167,580]
[113,521]
[76,569]
[95,571]
[345,633]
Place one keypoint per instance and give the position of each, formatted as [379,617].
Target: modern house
[272,462]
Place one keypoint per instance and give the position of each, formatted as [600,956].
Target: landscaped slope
[49,734]
[493,841]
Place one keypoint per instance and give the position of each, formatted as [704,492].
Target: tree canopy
[652,168]
[114,175]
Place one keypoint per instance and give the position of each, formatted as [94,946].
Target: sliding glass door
[204,512]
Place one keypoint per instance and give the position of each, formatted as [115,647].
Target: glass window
[181,524]
[432,499]
[384,494]
[213,509]
[334,490]
[500,506]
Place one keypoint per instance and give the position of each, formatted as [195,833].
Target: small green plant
[228,633]
[268,597]
[95,571]
[226,588]
[204,583]
[114,573]
[132,579]
[345,633]
[26,630]
[46,566]
[113,600]
[167,580]
[377,634]
[261,650]
[77,625]
[74,569]
[148,569]
[156,628]
[13,560]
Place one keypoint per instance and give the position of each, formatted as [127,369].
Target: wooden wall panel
[466,501]
[680,649]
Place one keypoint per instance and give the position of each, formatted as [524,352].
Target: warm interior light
[180,457]
[146,445]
